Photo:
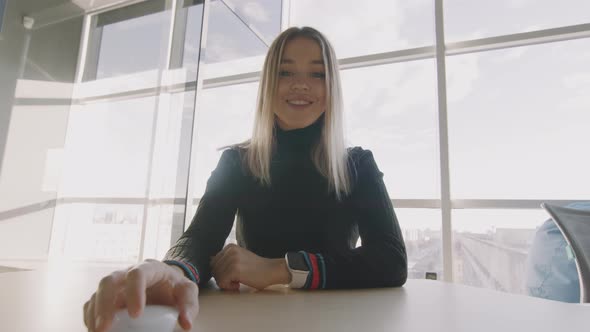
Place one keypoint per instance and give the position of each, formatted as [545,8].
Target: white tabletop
[52,300]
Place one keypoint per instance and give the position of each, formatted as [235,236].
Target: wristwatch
[298,269]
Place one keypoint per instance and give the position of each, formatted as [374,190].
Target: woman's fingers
[89,315]
[104,301]
[224,267]
[91,318]
[149,282]
[229,273]
[187,300]
[215,260]
[138,279]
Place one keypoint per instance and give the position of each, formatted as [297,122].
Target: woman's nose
[299,84]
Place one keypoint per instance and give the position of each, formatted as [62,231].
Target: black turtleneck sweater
[296,213]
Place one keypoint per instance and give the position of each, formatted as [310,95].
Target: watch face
[297,261]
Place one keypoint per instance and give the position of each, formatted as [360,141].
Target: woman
[300,196]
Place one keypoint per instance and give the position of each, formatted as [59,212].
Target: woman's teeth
[298,102]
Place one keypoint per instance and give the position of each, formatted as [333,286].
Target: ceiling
[46,12]
[33,6]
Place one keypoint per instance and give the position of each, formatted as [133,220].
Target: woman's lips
[299,102]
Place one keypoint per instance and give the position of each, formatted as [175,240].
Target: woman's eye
[318,75]
[284,73]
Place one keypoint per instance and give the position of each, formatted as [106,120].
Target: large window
[370,27]
[473,19]
[397,121]
[117,40]
[122,195]
[221,121]
[518,118]
[119,177]
[468,153]
[491,246]
[238,35]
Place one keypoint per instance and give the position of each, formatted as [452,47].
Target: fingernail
[98,323]
[185,321]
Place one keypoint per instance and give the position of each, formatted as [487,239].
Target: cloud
[353,29]
[577,81]
[510,55]
[216,51]
[256,12]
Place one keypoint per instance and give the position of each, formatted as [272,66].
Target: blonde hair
[329,155]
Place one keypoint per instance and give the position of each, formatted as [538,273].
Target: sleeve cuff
[314,277]
[190,271]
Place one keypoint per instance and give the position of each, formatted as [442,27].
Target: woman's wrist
[179,270]
[280,272]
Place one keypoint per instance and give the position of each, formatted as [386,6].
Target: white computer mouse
[154,318]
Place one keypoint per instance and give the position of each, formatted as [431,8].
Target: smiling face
[301,87]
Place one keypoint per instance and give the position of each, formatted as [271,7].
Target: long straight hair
[329,155]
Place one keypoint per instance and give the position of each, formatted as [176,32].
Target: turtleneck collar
[301,139]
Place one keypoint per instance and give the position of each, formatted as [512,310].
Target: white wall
[37,73]
[11,50]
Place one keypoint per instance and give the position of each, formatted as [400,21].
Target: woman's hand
[151,282]
[234,265]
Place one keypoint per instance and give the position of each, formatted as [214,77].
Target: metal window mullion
[508,204]
[92,50]
[148,178]
[171,35]
[83,49]
[113,6]
[155,119]
[285,14]
[519,39]
[445,190]
[179,36]
[198,88]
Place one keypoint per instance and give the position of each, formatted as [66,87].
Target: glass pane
[95,232]
[472,19]
[421,229]
[107,149]
[24,238]
[518,122]
[169,172]
[262,16]
[186,42]
[105,176]
[128,40]
[192,39]
[125,170]
[490,247]
[391,110]
[33,119]
[238,35]
[379,25]
[28,180]
[220,121]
